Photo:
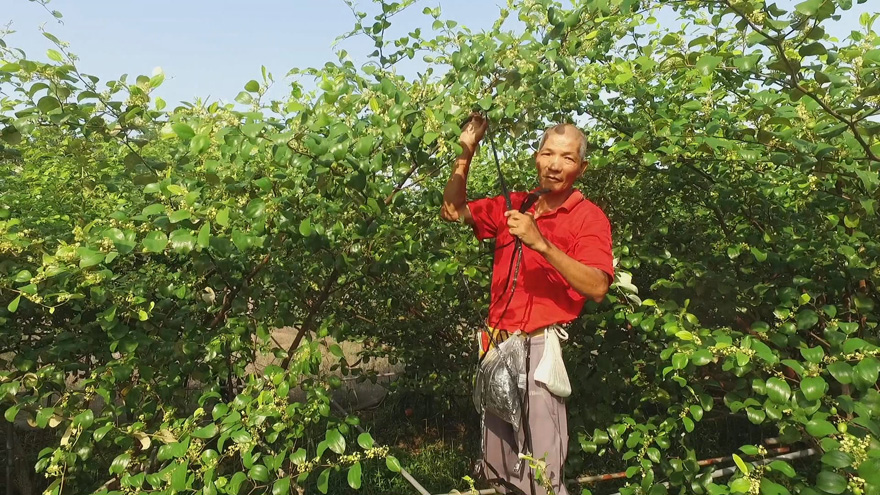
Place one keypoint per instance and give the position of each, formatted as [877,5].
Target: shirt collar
[573,200]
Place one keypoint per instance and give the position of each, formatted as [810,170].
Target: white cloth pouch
[551,370]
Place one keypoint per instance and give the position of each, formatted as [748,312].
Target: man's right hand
[472,132]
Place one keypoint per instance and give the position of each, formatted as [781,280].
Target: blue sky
[210,49]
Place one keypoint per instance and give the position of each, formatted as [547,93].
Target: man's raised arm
[455,206]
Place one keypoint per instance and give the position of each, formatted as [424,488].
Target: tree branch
[309,322]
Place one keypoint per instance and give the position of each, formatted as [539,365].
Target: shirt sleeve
[487,214]
[592,245]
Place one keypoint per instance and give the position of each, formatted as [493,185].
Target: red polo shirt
[542,297]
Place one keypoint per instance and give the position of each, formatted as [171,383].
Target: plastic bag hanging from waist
[500,379]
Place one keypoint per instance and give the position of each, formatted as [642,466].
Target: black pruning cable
[516,259]
[511,280]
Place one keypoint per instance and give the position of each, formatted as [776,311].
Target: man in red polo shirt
[566,260]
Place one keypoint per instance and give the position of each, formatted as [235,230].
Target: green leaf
[707,64]
[759,255]
[778,390]
[688,424]
[255,209]
[756,416]
[854,344]
[764,352]
[814,48]
[365,440]
[84,419]
[740,485]
[281,486]
[813,387]
[155,242]
[864,303]
[354,475]
[305,227]
[241,240]
[54,55]
[841,371]
[820,428]
[252,86]
[204,239]
[837,459]
[182,241]
[244,98]
[179,216]
[220,410]
[13,306]
[807,319]
[679,360]
[392,464]
[223,217]
[206,431]
[153,209]
[866,372]
[324,480]
[364,146]
[241,436]
[832,483]
[335,441]
[813,354]
[851,221]
[784,468]
[236,481]
[258,472]
[741,464]
[809,8]
[101,432]
[298,457]
[183,131]
[430,137]
[199,144]
[178,477]
[43,416]
[264,183]
[702,357]
[745,64]
[337,351]
[47,104]
[869,470]
[772,488]
[120,463]
[11,413]
[89,257]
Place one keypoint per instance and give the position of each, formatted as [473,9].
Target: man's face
[558,162]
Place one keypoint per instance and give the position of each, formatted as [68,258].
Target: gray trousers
[548,425]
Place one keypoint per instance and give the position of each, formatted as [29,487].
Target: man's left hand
[523,226]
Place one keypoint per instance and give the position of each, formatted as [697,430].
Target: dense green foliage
[146,252]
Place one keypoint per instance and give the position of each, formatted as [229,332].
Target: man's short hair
[560,128]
